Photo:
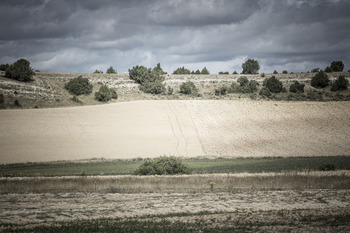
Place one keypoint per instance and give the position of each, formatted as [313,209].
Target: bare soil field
[186,128]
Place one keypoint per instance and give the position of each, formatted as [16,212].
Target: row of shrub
[183,70]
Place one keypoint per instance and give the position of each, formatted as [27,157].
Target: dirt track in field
[183,128]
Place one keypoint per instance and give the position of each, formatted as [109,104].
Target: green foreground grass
[197,165]
[246,221]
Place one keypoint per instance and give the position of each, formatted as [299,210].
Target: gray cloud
[81,36]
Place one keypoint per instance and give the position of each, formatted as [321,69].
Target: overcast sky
[85,35]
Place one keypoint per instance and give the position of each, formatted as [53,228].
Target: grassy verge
[198,166]
[239,221]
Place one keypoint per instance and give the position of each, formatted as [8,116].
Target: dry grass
[178,184]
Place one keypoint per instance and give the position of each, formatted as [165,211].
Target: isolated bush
[265,92]
[79,86]
[273,84]
[340,84]
[284,72]
[296,87]
[251,66]
[111,70]
[188,88]
[98,72]
[222,72]
[242,81]
[222,90]
[182,70]
[20,70]
[16,103]
[326,167]
[234,72]
[165,165]
[105,94]
[337,66]
[151,81]
[275,72]
[320,80]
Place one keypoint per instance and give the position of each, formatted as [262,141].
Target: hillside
[47,89]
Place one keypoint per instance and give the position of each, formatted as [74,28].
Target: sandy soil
[44,208]
[183,128]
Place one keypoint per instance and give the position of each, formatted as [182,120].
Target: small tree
[284,72]
[340,84]
[20,70]
[205,71]
[273,84]
[320,80]
[105,94]
[98,72]
[151,81]
[188,88]
[337,66]
[297,87]
[159,69]
[111,70]
[3,67]
[251,66]
[275,72]
[79,86]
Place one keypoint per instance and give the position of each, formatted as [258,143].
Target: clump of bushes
[245,85]
[188,88]
[111,70]
[273,84]
[320,80]
[265,92]
[165,165]
[151,81]
[105,94]
[222,90]
[326,167]
[20,70]
[297,87]
[340,84]
[79,86]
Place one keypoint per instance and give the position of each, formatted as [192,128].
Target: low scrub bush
[326,167]
[340,84]
[245,86]
[20,70]
[320,80]
[188,88]
[296,87]
[111,70]
[165,165]
[79,86]
[76,100]
[151,81]
[222,90]
[105,94]
[265,92]
[182,70]
[273,84]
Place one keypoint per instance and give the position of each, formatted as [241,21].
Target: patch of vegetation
[105,94]
[326,167]
[224,72]
[265,92]
[3,67]
[340,84]
[197,166]
[76,100]
[79,86]
[273,84]
[223,90]
[151,81]
[182,70]
[320,80]
[296,87]
[163,166]
[98,72]
[188,88]
[20,70]
[16,103]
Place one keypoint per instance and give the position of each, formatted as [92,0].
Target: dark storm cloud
[84,35]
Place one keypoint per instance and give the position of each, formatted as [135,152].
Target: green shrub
[151,81]
[20,70]
[98,72]
[242,81]
[265,92]
[326,167]
[3,67]
[320,80]
[159,70]
[275,72]
[105,94]
[79,86]
[165,165]
[153,87]
[328,69]
[284,72]
[340,84]
[221,91]
[337,66]
[251,66]
[273,84]
[16,103]
[170,90]
[2,98]
[297,87]
[188,88]
[222,72]
[205,71]
[76,100]
[234,72]
[182,70]
[111,70]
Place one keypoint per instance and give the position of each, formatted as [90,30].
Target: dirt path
[43,208]
[184,128]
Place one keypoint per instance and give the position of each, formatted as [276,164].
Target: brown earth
[187,128]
